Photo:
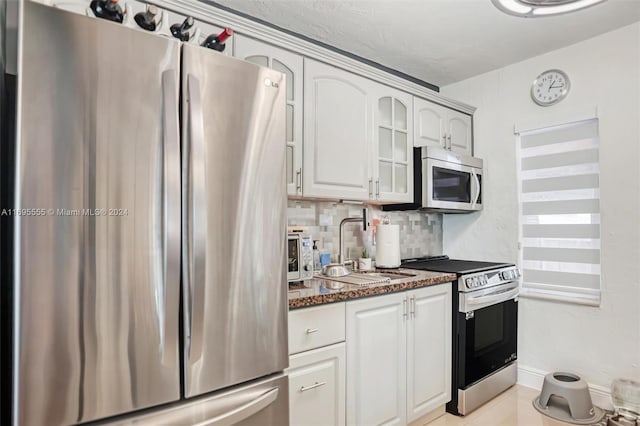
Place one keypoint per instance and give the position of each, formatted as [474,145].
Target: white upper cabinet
[429,124]
[438,126]
[337,133]
[460,131]
[392,162]
[291,65]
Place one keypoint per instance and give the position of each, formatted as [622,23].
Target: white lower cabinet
[317,387]
[376,360]
[428,350]
[317,326]
[317,365]
[398,356]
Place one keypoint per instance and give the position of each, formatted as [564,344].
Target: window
[560,212]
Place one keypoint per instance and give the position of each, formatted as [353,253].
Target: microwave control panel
[306,257]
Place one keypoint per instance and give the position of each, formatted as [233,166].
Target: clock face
[550,87]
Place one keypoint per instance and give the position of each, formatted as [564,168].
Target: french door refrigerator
[149,229]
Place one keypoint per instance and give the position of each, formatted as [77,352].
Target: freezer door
[260,403]
[234,233]
[97,219]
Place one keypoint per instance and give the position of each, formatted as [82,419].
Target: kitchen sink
[391,275]
[366,278]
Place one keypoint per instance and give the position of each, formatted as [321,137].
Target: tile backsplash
[420,233]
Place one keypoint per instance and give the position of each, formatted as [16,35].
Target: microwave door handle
[476,192]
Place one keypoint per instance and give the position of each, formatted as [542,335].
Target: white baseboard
[533,378]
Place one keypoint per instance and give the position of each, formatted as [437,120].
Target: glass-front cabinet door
[393,143]
[289,64]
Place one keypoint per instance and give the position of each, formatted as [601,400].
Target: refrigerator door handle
[171,206]
[244,411]
[196,221]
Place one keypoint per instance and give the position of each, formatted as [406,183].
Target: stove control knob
[469,282]
[476,283]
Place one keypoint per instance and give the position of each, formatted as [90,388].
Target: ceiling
[437,41]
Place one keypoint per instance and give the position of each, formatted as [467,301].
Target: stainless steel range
[485,328]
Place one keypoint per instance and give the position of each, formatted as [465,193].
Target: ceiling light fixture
[540,8]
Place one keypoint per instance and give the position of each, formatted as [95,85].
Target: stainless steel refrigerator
[149,229]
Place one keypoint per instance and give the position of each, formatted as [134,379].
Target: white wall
[597,343]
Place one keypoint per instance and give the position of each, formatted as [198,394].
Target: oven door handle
[472,303]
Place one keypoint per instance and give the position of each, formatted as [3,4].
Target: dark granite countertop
[318,291]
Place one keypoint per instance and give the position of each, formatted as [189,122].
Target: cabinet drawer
[311,328]
[317,387]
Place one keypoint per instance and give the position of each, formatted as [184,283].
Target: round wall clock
[550,87]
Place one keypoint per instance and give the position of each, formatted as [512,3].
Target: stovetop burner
[444,264]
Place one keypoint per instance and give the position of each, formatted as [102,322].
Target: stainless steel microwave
[451,182]
[300,257]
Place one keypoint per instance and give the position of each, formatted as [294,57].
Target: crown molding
[241,25]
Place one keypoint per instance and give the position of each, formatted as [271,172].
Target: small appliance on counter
[299,256]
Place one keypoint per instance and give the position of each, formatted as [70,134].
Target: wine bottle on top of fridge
[181,31]
[217,42]
[107,9]
[147,19]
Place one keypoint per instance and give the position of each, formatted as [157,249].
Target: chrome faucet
[362,219]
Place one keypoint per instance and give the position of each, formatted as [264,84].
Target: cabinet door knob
[377,188]
[313,386]
[312,330]
[370,188]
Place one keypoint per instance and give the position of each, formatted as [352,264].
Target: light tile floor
[511,408]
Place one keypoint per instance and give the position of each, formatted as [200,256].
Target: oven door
[451,186]
[487,339]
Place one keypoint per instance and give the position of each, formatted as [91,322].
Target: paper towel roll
[388,246]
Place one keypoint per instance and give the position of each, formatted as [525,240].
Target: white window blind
[560,212]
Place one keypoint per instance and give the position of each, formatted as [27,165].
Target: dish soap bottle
[316,256]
